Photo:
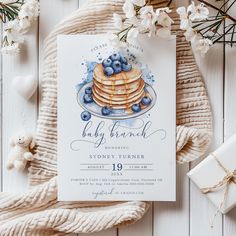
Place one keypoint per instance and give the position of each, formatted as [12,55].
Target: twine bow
[230,177]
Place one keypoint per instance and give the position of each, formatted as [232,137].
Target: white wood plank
[230,115]
[174,214]
[17,112]
[1,153]
[201,209]
[144,227]
[140,228]
[51,13]
[110,232]
[172,218]
[82,3]
[154,222]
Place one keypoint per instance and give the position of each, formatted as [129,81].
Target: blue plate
[116,114]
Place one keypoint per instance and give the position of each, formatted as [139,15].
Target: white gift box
[216,176]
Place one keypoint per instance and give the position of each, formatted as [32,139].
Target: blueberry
[107,62]
[115,57]
[106,111]
[85,115]
[88,90]
[108,71]
[116,65]
[126,67]
[123,59]
[146,101]
[88,98]
[136,108]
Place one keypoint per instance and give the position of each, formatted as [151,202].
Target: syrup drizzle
[126,89]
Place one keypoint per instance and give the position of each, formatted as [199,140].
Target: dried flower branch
[140,18]
[203,30]
[17,16]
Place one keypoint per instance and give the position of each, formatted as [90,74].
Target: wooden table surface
[190,215]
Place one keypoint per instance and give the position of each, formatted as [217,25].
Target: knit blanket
[37,211]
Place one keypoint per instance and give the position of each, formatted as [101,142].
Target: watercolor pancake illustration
[119,91]
[117,87]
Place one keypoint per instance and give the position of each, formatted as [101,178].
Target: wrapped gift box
[216,176]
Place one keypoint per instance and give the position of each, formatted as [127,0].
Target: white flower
[185,22]
[202,45]
[139,3]
[152,31]
[163,18]
[199,12]
[148,17]
[190,35]
[133,21]
[12,37]
[28,13]
[12,32]
[24,24]
[11,49]
[115,41]
[12,25]
[29,9]
[164,33]
[164,9]
[132,34]
[128,9]
[118,20]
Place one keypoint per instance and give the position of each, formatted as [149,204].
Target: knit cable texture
[37,212]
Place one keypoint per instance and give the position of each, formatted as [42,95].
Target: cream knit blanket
[37,212]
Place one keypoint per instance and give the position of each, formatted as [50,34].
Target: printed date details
[116,169]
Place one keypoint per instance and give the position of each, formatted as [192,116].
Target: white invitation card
[116,119]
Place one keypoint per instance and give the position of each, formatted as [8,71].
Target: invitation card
[116,119]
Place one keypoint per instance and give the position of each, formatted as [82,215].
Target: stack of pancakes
[119,91]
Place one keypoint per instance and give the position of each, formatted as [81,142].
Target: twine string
[230,177]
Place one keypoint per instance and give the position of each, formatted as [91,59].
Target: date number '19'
[117,167]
